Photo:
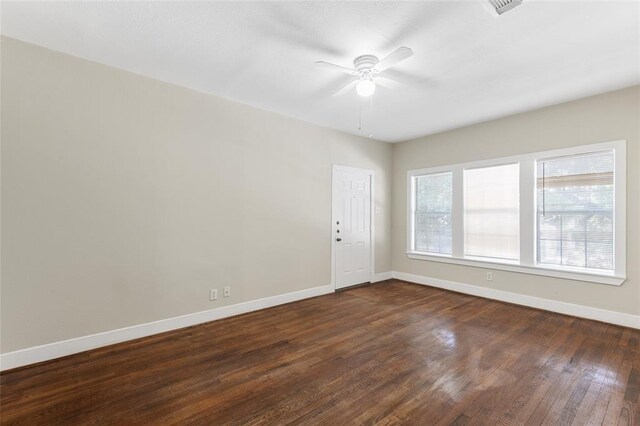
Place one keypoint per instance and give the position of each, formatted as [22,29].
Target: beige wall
[125,199]
[607,117]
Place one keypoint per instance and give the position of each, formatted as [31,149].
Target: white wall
[607,117]
[124,199]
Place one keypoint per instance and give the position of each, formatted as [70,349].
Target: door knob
[338,239]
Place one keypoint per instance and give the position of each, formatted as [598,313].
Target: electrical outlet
[213,294]
[489,276]
[227,291]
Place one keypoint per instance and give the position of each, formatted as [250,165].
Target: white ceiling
[469,66]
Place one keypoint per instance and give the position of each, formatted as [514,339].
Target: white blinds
[432,226]
[492,212]
[575,210]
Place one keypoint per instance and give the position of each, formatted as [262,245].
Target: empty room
[320,212]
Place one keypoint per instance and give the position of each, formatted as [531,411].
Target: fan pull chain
[359,115]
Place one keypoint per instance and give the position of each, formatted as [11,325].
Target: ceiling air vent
[502,6]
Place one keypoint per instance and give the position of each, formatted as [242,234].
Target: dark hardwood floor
[389,353]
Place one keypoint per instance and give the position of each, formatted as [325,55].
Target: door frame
[372,214]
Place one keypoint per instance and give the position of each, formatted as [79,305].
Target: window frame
[414,198]
[528,204]
[464,228]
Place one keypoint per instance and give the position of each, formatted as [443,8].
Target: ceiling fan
[367,71]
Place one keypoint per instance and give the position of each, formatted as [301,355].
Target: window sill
[609,279]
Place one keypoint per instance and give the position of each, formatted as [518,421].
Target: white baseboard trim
[68,347]
[54,350]
[382,276]
[581,311]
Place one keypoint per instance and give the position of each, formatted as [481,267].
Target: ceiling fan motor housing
[365,63]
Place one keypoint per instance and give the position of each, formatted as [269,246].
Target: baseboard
[581,311]
[382,276]
[68,347]
[54,350]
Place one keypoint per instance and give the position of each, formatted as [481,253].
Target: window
[433,213]
[575,197]
[559,213]
[492,212]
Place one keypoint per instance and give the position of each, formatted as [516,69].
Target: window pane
[492,212]
[575,210]
[433,213]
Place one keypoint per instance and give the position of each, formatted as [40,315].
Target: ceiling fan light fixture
[364,69]
[366,87]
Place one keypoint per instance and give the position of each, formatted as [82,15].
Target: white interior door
[351,226]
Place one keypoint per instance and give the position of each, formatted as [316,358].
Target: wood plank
[389,353]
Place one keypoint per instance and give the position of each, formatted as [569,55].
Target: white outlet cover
[227,291]
[213,294]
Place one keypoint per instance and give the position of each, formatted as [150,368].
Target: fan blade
[389,83]
[398,55]
[403,77]
[344,89]
[334,67]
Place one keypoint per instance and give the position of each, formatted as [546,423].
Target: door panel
[351,227]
